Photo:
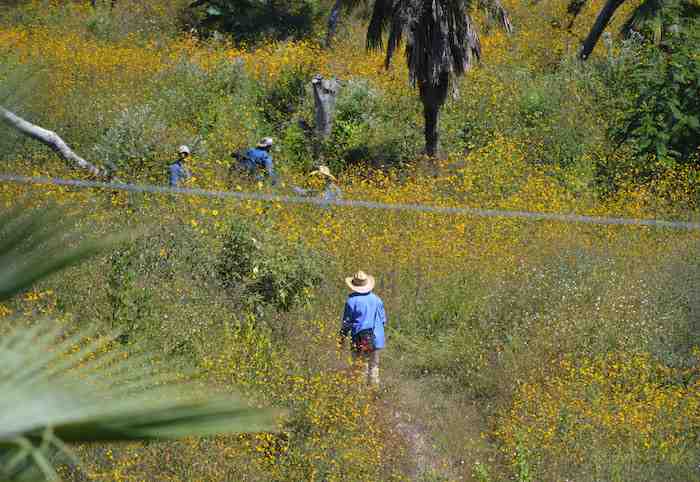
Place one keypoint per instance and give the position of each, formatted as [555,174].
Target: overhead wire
[353,203]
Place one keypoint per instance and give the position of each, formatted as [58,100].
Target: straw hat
[360,282]
[265,142]
[324,171]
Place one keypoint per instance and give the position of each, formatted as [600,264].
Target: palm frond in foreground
[57,389]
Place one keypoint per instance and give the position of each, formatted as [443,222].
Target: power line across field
[355,203]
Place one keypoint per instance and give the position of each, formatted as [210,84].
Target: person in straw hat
[330,191]
[259,158]
[178,171]
[364,319]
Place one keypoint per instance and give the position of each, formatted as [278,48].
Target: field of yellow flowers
[577,343]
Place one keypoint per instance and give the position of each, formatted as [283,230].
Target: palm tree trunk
[601,22]
[433,97]
[333,22]
[431,114]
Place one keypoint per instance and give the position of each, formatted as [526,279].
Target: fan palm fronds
[58,389]
[33,245]
[382,14]
[440,36]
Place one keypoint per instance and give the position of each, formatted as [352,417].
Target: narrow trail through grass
[442,433]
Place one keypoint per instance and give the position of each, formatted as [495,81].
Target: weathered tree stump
[325,94]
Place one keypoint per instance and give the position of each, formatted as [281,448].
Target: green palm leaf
[83,396]
[57,388]
[33,245]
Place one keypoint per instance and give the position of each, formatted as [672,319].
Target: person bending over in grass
[364,319]
[330,191]
[256,159]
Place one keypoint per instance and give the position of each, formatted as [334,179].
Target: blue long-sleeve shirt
[363,311]
[259,158]
[178,173]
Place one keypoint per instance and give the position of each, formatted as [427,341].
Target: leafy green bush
[263,270]
[354,116]
[661,102]
[130,303]
[253,20]
[134,139]
[158,290]
[187,92]
[557,116]
[296,147]
[279,101]
[366,129]
[536,103]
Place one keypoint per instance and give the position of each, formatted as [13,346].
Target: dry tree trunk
[325,95]
[333,22]
[601,22]
[50,139]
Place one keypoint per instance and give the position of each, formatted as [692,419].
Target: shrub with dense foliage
[265,269]
[661,115]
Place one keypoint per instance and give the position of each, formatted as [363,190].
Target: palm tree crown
[440,37]
[441,42]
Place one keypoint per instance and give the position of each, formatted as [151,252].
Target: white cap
[184,149]
[265,142]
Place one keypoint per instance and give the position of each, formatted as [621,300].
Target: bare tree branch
[50,139]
